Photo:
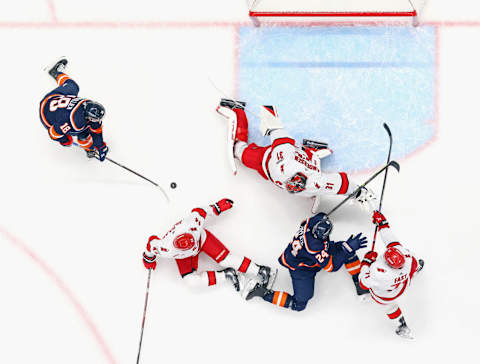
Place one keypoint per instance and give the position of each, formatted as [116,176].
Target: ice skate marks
[341,84]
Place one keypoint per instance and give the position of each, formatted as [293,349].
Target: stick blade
[387,128]
[395,165]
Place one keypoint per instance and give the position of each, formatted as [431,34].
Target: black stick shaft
[144,315]
[384,181]
[391,163]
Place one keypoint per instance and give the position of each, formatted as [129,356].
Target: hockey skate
[225,108]
[421,263]
[267,276]
[257,290]
[362,293]
[232,276]
[403,330]
[57,67]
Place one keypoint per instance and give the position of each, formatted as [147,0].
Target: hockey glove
[149,262]
[354,243]
[369,258]
[221,206]
[66,140]
[102,152]
[380,220]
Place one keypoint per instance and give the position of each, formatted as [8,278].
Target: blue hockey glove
[102,152]
[354,243]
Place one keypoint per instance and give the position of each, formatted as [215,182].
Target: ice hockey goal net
[352,11]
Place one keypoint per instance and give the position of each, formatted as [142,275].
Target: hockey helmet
[322,229]
[394,258]
[94,111]
[296,183]
[184,241]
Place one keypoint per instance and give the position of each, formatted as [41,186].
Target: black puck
[173,185]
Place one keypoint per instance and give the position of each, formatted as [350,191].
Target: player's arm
[201,213]
[57,134]
[149,256]
[364,277]
[384,229]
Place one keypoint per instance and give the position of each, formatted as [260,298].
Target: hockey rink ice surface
[72,231]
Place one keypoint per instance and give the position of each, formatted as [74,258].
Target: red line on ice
[64,289]
[53,12]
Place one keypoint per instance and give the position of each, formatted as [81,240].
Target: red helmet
[184,241]
[394,258]
[296,183]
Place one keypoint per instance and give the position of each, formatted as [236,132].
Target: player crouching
[188,238]
[290,167]
[310,252]
[387,278]
[65,115]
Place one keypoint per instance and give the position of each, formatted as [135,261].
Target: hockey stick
[393,164]
[132,171]
[144,315]
[384,180]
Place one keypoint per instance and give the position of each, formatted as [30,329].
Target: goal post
[318,11]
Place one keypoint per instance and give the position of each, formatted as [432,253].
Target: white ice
[72,230]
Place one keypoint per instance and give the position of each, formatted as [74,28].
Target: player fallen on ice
[388,277]
[310,252]
[65,115]
[188,238]
[290,167]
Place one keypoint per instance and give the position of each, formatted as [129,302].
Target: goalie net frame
[342,16]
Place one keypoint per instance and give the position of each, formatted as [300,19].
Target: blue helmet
[94,111]
[322,229]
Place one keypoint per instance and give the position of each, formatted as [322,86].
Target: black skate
[232,276]
[258,290]
[421,262]
[232,104]
[403,330]
[91,153]
[360,290]
[57,68]
[267,276]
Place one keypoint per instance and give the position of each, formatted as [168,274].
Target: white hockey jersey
[384,282]
[167,245]
[284,159]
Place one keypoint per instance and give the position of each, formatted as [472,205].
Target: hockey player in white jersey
[290,167]
[388,277]
[188,238]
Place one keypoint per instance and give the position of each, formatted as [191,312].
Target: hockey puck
[173,185]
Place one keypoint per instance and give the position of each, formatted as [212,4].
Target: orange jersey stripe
[329,266]
[284,261]
[62,78]
[53,133]
[352,265]
[97,131]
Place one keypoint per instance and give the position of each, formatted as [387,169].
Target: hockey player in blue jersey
[310,252]
[65,115]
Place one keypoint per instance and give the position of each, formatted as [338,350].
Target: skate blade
[406,335]
[271,281]
[249,284]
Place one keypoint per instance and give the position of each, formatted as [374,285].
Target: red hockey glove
[66,140]
[221,206]
[149,262]
[369,258]
[380,220]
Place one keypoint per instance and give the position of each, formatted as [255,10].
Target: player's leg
[187,268]
[66,86]
[394,313]
[216,250]
[85,141]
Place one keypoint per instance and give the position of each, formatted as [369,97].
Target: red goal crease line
[412,13]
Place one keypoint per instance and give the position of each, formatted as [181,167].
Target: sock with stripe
[279,298]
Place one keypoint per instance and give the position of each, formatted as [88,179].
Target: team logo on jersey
[184,241]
